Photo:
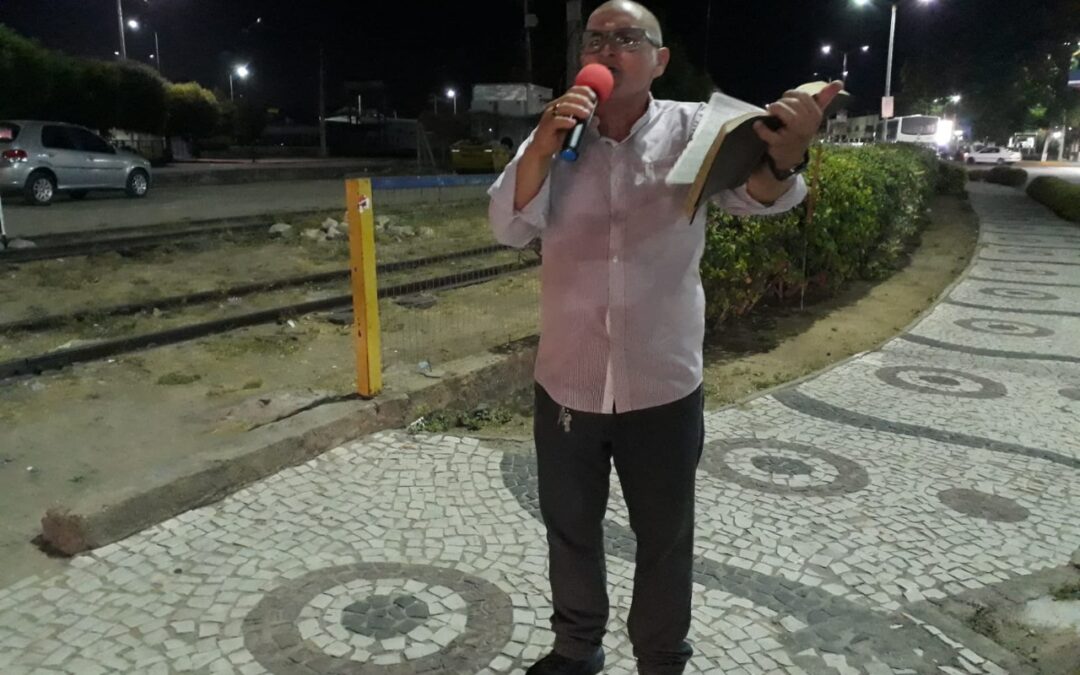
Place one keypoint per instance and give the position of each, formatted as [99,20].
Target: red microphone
[601,81]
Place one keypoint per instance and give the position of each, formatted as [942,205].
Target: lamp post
[452,95]
[134,25]
[892,42]
[120,23]
[239,71]
[827,50]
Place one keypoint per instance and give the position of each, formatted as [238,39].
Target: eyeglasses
[621,40]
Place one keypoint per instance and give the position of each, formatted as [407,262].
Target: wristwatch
[784,175]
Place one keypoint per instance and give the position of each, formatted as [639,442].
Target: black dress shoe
[557,664]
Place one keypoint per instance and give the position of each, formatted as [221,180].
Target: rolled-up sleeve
[511,226]
[738,202]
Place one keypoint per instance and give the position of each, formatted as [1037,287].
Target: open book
[725,149]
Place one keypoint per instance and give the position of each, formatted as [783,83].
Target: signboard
[887,103]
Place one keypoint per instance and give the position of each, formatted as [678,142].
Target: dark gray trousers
[655,453]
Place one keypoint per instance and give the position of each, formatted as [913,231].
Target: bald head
[641,15]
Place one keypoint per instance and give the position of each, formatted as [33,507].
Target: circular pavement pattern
[1025,270]
[940,381]
[780,467]
[983,505]
[1018,294]
[1002,327]
[1020,250]
[376,618]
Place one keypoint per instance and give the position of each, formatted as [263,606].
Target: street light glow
[956,98]
[242,72]
[866,48]
[133,24]
[450,93]
[826,49]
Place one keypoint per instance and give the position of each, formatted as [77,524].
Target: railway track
[243,290]
[67,245]
[36,364]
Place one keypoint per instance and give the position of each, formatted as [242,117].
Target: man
[619,368]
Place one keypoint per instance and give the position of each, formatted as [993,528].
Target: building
[844,129]
[507,112]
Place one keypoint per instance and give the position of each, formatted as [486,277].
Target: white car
[992,154]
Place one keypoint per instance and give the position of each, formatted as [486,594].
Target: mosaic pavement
[828,514]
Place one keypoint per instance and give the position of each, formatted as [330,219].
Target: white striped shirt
[622,309]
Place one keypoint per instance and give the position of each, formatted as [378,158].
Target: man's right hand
[560,116]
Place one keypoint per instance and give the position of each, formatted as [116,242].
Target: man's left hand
[801,114]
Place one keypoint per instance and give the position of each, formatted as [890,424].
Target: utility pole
[322,103]
[574,29]
[529,25]
[708,33]
[120,22]
[3,229]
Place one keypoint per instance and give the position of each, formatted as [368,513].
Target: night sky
[417,47]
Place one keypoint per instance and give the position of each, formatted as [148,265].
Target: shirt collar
[650,113]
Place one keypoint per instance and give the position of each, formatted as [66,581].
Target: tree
[193,112]
[142,103]
[1007,59]
[43,84]
[683,81]
[25,70]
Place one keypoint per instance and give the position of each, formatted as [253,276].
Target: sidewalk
[834,516]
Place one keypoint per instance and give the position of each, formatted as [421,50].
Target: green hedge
[951,179]
[1004,175]
[870,205]
[1060,196]
[38,83]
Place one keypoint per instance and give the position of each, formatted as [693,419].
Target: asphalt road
[171,205]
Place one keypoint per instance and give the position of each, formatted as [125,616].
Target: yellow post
[365,292]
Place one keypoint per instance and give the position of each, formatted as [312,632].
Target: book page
[720,110]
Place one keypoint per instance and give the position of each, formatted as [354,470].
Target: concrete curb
[102,519]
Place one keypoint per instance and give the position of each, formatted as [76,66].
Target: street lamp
[239,71]
[134,25]
[452,95]
[892,40]
[827,49]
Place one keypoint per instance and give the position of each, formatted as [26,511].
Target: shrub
[951,179]
[870,205]
[1060,196]
[1005,175]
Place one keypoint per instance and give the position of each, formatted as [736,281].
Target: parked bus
[928,130]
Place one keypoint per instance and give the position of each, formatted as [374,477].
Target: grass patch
[984,623]
[227,346]
[1068,592]
[177,378]
[479,418]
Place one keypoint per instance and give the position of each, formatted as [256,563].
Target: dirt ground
[101,426]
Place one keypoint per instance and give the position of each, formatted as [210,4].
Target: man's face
[634,68]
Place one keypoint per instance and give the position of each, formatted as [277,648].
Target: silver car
[40,159]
